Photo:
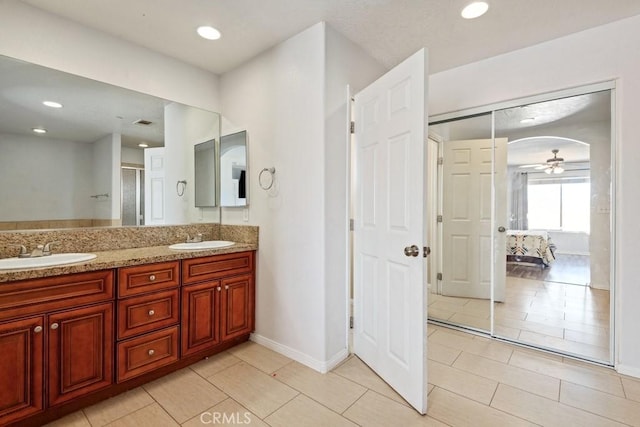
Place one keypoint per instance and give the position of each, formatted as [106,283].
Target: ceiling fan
[553,165]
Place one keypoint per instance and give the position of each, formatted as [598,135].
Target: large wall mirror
[525,208]
[73,152]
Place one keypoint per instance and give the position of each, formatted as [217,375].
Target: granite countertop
[121,258]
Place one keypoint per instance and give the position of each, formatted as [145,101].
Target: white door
[154,186]
[389,286]
[468,245]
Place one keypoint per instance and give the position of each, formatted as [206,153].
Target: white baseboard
[318,365]
[630,371]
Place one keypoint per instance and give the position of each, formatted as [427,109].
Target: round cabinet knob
[151,352]
[219,288]
[226,286]
[37,329]
[54,326]
[151,312]
[152,277]
[501,229]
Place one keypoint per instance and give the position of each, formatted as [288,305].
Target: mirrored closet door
[523,231]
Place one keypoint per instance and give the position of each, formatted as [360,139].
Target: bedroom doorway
[547,251]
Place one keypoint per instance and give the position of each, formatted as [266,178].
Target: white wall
[185,127]
[346,64]
[603,53]
[132,156]
[277,97]
[45,179]
[32,35]
[105,169]
[292,102]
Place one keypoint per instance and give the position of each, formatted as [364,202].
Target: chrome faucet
[195,239]
[40,250]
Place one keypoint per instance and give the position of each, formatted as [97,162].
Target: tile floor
[473,381]
[565,317]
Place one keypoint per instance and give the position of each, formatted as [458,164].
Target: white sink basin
[44,261]
[207,244]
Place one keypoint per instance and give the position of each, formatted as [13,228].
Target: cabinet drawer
[147,353]
[36,296]
[147,313]
[217,266]
[147,278]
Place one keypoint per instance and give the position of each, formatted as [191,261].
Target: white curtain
[519,201]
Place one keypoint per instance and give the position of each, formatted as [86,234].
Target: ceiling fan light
[548,170]
[558,169]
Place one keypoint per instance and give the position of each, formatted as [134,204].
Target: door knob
[502,229]
[412,250]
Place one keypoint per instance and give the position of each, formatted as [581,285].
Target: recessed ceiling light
[39,130]
[528,120]
[209,33]
[52,104]
[143,145]
[475,9]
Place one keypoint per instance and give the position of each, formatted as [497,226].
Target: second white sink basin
[44,261]
[207,244]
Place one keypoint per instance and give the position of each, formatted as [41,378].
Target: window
[559,206]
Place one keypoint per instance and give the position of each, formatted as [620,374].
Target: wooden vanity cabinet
[80,345]
[218,299]
[70,341]
[148,318]
[55,332]
[21,368]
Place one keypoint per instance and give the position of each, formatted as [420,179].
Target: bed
[530,246]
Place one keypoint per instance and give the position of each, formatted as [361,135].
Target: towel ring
[272,172]
[180,187]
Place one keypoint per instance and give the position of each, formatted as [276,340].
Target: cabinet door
[80,352]
[237,306]
[21,364]
[200,324]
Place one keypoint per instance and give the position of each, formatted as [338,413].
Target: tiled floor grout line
[320,403]
[155,401]
[594,413]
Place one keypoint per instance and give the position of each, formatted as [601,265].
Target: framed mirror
[234,176]
[205,174]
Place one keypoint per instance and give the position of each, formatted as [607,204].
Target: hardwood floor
[554,314]
[567,268]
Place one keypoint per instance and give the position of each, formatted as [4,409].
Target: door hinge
[439,218]
[352,127]
[441,160]
[439,276]
[350,322]
[352,223]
